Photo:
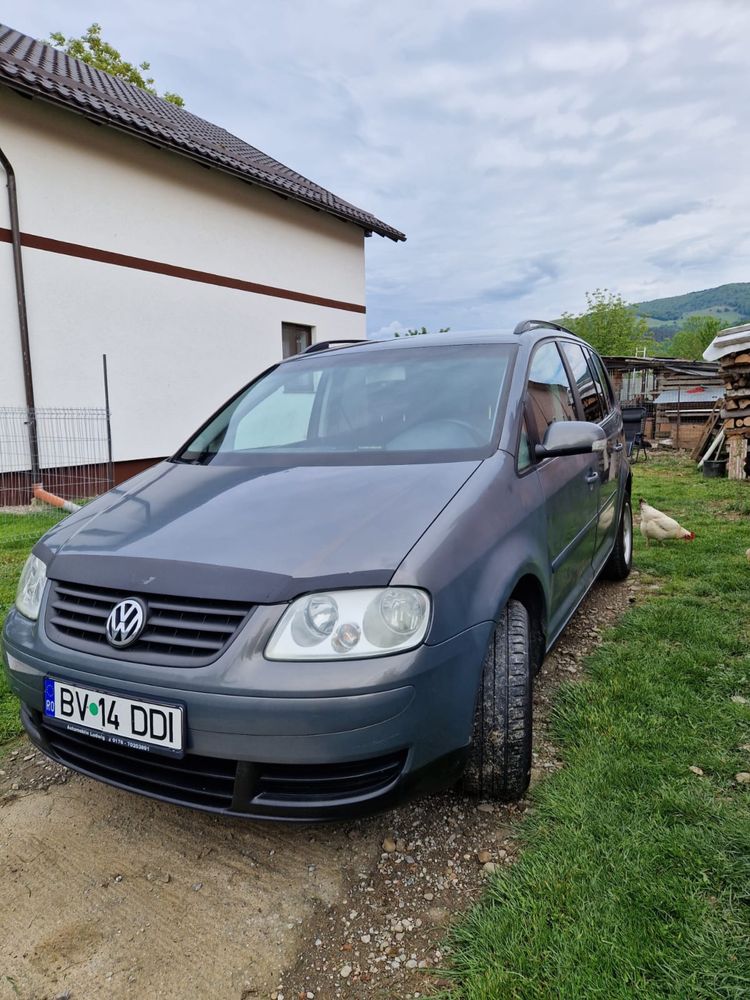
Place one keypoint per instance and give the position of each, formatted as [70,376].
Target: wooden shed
[678,394]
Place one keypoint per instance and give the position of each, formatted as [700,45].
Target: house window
[295,339]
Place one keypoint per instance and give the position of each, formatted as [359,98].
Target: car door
[597,404]
[612,486]
[570,484]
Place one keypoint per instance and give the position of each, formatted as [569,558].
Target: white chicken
[659,526]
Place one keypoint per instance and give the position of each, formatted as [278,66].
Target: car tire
[620,562]
[499,762]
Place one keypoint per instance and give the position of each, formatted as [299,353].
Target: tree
[610,325]
[101,55]
[696,334]
[421,332]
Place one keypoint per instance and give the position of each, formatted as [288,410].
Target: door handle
[618,446]
[592,477]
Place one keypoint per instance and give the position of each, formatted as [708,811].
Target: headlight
[31,587]
[351,624]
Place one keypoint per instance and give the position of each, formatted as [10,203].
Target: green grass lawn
[18,533]
[635,877]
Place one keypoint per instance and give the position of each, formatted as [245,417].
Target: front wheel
[620,562]
[499,764]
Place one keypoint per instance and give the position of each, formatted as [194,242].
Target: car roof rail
[323,345]
[533,324]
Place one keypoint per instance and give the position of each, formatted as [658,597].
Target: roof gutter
[23,320]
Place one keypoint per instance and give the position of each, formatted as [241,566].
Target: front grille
[207,782]
[180,631]
[327,782]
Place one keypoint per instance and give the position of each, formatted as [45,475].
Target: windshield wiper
[200,458]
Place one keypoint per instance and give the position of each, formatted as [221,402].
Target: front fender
[472,556]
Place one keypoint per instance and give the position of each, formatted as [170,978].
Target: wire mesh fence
[66,451]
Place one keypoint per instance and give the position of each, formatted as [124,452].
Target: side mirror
[571,437]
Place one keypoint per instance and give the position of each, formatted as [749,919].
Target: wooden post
[737,457]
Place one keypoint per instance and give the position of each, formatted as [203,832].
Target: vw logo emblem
[126,622]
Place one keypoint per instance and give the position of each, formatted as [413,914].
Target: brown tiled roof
[42,71]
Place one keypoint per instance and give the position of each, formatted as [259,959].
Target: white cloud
[668,26]
[531,150]
[580,55]
[388,331]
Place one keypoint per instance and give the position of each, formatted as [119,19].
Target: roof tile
[38,69]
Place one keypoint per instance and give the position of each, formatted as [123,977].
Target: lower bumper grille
[327,782]
[207,782]
[302,791]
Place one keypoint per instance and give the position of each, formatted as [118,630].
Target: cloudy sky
[530,149]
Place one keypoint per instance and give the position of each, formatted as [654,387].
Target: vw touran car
[338,592]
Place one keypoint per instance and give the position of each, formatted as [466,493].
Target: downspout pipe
[23,320]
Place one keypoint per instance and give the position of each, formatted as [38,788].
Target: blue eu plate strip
[49,697]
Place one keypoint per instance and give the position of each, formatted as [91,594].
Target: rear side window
[593,407]
[605,387]
[549,393]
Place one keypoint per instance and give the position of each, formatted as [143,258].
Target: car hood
[262,535]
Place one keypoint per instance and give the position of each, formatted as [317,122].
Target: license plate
[126,722]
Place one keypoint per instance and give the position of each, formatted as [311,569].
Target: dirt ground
[107,894]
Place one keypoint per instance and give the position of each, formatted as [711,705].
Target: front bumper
[301,792]
[325,741]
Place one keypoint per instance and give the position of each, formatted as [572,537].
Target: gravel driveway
[107,894]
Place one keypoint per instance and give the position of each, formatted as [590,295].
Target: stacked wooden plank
[711,427]
[735,372]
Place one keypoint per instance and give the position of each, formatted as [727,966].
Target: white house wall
[176,348]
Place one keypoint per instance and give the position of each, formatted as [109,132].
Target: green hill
[730,303]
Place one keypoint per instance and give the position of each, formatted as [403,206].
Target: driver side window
[588,391]
[548,392]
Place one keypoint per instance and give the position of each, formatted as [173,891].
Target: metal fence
[73,446]
[74,452]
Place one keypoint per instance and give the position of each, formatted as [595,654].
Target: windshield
[438,402]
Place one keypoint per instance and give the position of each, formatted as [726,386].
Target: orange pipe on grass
[41,494]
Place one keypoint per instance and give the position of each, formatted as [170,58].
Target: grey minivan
[339,590]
